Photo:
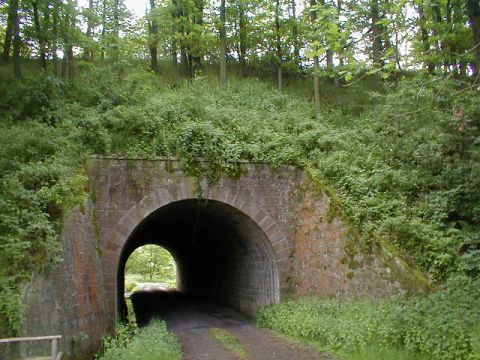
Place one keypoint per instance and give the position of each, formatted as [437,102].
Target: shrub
[130,285]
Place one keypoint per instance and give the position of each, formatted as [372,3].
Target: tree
[55,35]
[316,63]
[296,45]
[40,31]
[12,20]
[375,33]
[242,32]
[69,29]
[424,36]
[152,262]
[153,37]
[91,18]
[279,46]
[17,41]
[473,10]
[223,46]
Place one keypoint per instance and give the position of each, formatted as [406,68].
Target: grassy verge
[443,326]
[153,342]
[229,341]
[382,353]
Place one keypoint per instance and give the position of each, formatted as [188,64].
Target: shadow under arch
[222,254]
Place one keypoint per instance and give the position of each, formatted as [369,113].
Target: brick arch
[239,199]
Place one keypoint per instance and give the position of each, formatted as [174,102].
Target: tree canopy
[340,39]
[153,263]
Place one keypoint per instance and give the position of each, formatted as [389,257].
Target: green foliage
[152,342]
[404,165]
[443,325]
[229,341]
[130,285]
[38,183]
[152,263]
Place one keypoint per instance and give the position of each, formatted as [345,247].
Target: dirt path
[193,323]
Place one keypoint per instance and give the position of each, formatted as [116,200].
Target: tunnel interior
[222,256]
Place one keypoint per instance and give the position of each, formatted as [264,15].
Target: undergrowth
[152,342]
[404,165]
[443,325]
[229,341]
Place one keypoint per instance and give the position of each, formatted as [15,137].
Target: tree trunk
[11,20]
[116,29]
[328,52]
[153,31]
[473,9]
[55,39]
[17,43]
[375,34]
[87,52]
[223,46]
[185,59]
[377,46]
[46,27]
[437,17]
[296,46]
[242,34]
[68,60]
[450,50]
[104,28]
[316,66]
[341,59]
[185,55]
[279,46]
[173,43]
[196,58]
[40,37]
[316,86]
[174,60]
[116,18]
[426,44]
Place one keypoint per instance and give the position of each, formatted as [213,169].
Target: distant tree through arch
[150,264]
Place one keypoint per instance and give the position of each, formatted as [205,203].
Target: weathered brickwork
[286,245]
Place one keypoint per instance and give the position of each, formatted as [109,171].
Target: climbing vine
[404,165]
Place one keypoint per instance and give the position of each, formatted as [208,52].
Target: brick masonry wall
[78,299]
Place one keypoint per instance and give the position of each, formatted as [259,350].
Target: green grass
[441,326]
[153,342]
[229,341]
[383,353]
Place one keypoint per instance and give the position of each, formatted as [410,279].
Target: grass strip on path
[229,341]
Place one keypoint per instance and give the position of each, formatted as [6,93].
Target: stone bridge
[244,242]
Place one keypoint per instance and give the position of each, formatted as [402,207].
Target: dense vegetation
[390,128]
[404,165]
[443,326]
[147,264]
[152,342]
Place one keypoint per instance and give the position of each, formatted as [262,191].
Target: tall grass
[442,326]
[152,342]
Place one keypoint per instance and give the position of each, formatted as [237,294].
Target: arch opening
[222,256]
[150,266]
